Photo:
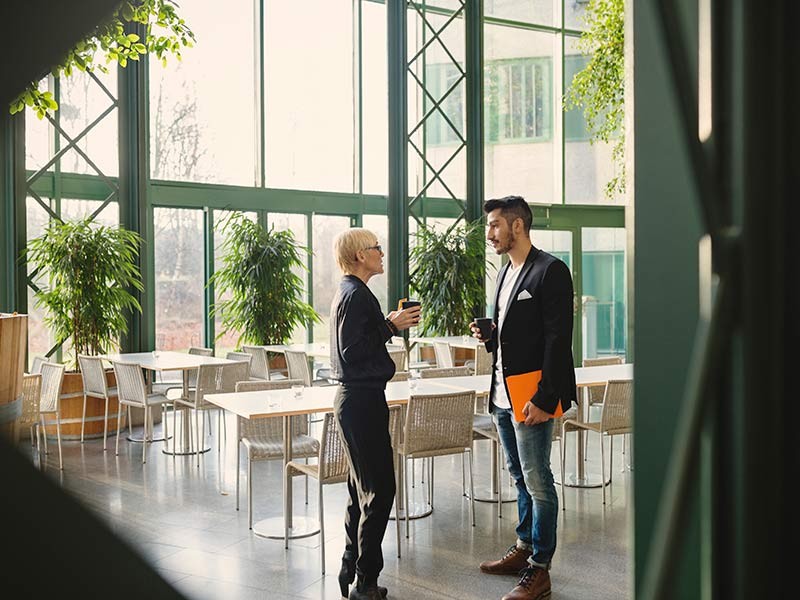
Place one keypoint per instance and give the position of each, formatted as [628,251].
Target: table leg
[417,509]
[490,495]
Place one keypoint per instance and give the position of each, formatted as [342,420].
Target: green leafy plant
[258,274]
[447,276]
[600,86]
[166,33]
[91,270]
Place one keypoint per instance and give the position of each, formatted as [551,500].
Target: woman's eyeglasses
[378,248]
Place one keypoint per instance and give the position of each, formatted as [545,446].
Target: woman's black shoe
[347,574]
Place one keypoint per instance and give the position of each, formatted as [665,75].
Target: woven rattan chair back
[444,354]
[595,392]
[52,378]
[616,418]
[200,351]
[438,424]
[36,365]
[333,465]
[241,357]
[297,365]
[93,375]
[445,372]
[396,414]
[483,360]
[131,388]
[398,355]
[259,365]
[231,374]
[31,392]
[400,376]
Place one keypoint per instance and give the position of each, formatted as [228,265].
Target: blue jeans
[528,458]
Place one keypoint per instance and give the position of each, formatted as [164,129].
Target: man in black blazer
[533,380]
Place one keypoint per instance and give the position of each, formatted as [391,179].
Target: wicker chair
[401,376]
[398,355]
[50,401]
[263,438]
[615,419]
[241,357]
[571,413]
[192,374]
[396,414]
[482,364]
[483,428]
[36,365]
[331,467]
[594,393]
[31,393]
[444,355]
[95,385]
[132,392]
[438,425]
[297,364]
[445,372]
[259,365]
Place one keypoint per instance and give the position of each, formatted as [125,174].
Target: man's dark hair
[512,208]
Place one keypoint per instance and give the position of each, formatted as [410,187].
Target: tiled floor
[183,520]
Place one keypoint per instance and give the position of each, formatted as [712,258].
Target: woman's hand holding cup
[405,318]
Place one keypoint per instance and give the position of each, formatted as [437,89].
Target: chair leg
[471,486]
[144,434]
[562,451]
[405,491]
[58,435]
[119,426]
[83,418]
[249,491]
[603,468]
[105,426]
[499,480]
[238,458]
[430,483]
[44,434]
[396,496]
[198,435]
[321,528]
[287,481]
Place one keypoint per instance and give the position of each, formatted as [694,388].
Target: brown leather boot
[534,584]
[512,563]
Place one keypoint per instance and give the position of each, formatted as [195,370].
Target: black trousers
[363,419]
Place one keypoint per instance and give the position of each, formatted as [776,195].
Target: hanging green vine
[166,33]
[600,87]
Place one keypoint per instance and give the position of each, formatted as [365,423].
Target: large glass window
[521,154]
[379,225]
[588,166]
[308,92]
[179,277]
[604,292]
[375,99]
[203,124]
[297,225]
[326,274]
[541,12]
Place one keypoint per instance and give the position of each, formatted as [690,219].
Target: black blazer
[537,330]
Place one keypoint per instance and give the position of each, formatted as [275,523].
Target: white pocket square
[524,295]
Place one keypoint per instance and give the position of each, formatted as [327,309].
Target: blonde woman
[361,364]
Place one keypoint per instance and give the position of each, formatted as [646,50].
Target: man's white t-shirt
[500,398]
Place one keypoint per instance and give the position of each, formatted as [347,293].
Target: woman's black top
[359,333]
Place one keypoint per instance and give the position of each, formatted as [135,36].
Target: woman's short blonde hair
[347,244]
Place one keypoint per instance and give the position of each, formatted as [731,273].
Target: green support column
[474,97]
[208,291]
[397,209]
[134,211]
[13,287]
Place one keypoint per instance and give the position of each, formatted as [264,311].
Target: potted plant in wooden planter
[447,275]
[263,293]
[91,270]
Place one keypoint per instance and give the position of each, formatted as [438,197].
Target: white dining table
[284,403]
[160,361]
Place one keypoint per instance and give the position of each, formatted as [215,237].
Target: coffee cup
[485,326]
[404,304]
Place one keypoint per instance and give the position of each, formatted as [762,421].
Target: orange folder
[523,387]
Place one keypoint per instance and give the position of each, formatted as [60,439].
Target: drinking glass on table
[413,378]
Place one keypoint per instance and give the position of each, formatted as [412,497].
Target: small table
[167,360]
[283,403]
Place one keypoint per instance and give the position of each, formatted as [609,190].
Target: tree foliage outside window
[166,33]
[600,87]
[265,294]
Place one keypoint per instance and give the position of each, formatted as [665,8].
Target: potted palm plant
[259,283]
[89,271]
[447,275]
